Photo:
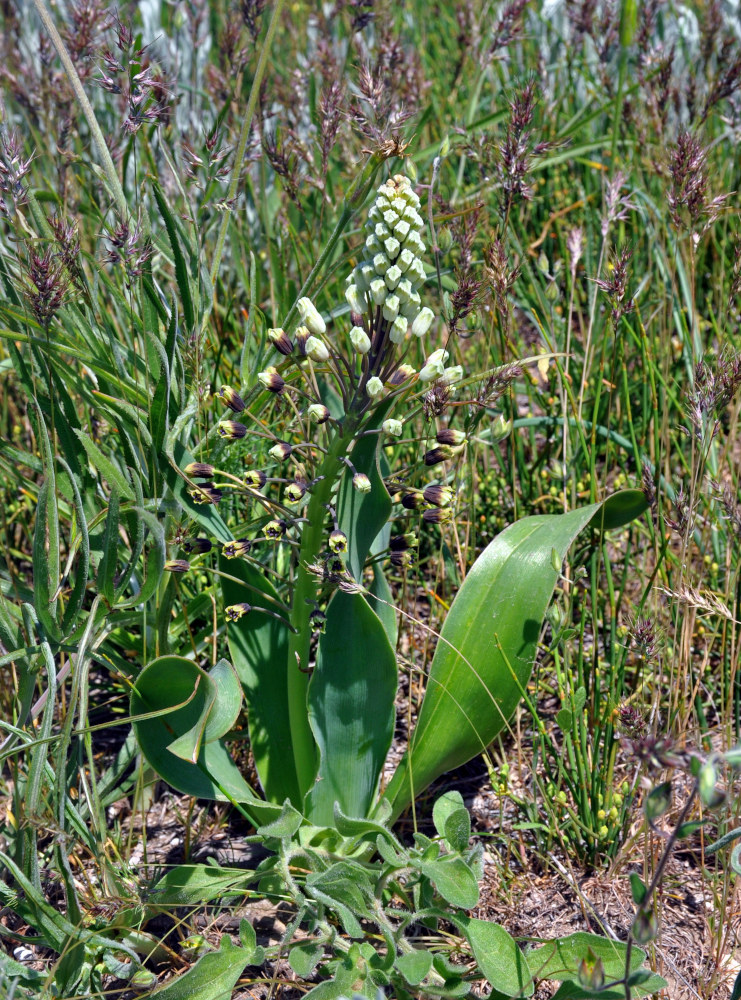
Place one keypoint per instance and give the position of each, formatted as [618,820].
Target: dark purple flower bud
[255,479]
[438,515]
[437,455]
[236,611]
[338,542]
[177,566]
[229,397]
[231,550]
[199,470]
[280,341]
[205,494]
[197,545]
[231,430]
[446,435]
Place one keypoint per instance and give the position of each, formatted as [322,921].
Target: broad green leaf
[560,959]
[498,957]
[444,807]
[304,958]
[351,709]
[258,644]
[181,694]
[453,879]
[487,646]
[213,977]
[414,965]
[193,885]
[349,972]
[573,991]
[284,825]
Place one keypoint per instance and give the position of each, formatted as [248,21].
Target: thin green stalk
[87,109]
[244,135]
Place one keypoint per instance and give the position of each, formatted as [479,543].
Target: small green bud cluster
[391,271]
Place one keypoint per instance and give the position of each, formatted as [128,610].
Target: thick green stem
[304,597]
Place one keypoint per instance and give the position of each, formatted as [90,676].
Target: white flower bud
[316,349]
[398,330]
[391,246]
[416,272]
[431,371]
[452,375]
[401,230]
[414,243]
[310,316]
[438,356]
[378,291]
[398,204]
[392,277]
[381,263]
[318,412]
[373,245]
[390,218]
[354,299]
[381,230]
[359,280]
[405,259]
[360,340]
[422,322]
[393,427]
[374,388]
[412,216]
[391,308]
[404,290]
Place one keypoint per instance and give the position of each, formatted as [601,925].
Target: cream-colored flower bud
[316,349]
[373,245]
[452,375]
[422,322]
[310,316]
[438,356]
[359,280]
[391,246]
[404,291]
[390,218]
[360,340]
[381,263]
[393,427]
[392,277]
[381,230]
[431,371]
[354,299]
[414,243]
[405,259]
[318,412]
[374,388]
[398,330]
[391,308]
[378,291]
[402,230]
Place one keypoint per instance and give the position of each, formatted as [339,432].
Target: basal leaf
[351,709]
[486,649]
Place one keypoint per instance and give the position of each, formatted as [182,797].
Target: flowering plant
[311,628]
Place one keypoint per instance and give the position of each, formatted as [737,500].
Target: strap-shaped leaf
[179,698]
[351,709]
[258,644]
[487,646]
